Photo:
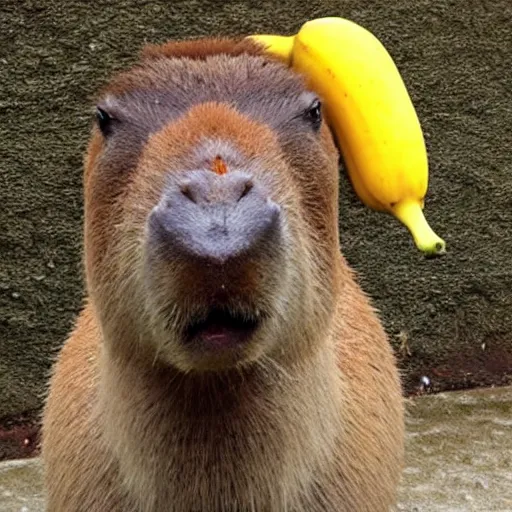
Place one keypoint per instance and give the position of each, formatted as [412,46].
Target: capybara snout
[213,219]
[214,246]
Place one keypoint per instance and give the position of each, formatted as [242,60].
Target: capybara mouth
[222,329]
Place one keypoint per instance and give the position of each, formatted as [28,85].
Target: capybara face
[211,212]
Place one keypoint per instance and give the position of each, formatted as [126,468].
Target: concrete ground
[459,457]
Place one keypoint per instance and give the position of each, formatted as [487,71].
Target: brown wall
[456,60]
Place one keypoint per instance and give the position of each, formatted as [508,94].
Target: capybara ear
[200,49]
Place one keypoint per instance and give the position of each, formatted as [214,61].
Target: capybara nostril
[247,188]
[187,192]
[213,218]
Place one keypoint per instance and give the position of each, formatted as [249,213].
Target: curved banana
[373,118]
[281,46]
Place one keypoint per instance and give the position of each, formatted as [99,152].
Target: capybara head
[211,191]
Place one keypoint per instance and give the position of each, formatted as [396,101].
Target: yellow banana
[281,46]
[372,116]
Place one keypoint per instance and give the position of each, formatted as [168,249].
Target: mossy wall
[456,59]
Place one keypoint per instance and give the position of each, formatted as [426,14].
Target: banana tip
[435,250]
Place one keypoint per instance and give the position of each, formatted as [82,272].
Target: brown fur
[310,419]
[202,48]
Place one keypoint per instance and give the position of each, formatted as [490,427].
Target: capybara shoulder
[226,359]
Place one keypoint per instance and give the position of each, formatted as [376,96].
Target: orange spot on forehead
[219,166]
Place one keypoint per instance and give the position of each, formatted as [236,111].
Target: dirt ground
[449,319]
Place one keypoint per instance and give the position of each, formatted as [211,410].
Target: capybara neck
[248,421]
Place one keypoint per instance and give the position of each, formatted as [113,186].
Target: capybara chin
[225,360]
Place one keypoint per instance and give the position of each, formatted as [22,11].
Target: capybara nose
[213,217]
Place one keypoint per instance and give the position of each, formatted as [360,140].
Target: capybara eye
[104,120]
[314,114]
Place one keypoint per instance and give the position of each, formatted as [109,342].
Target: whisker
[273,363]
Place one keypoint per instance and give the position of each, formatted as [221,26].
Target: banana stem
[280,46]
[411,215]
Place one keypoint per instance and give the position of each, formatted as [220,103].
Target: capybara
[225,360]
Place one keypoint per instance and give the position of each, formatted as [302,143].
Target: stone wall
[454,312]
